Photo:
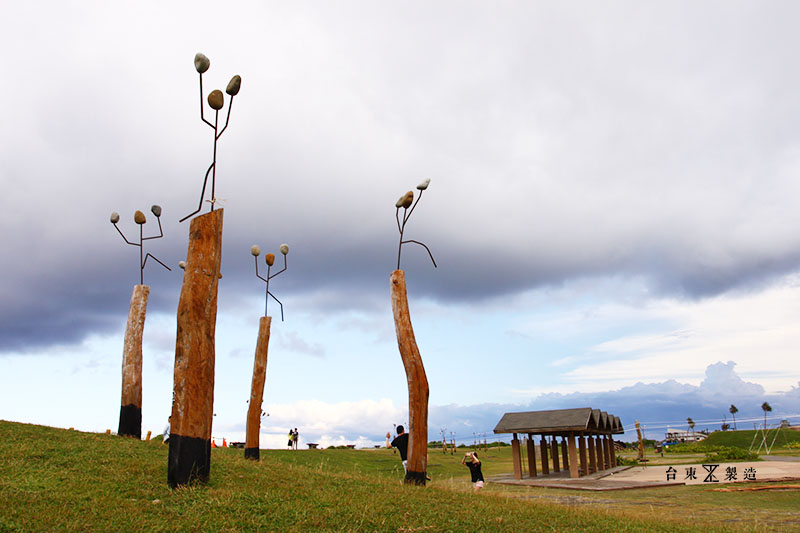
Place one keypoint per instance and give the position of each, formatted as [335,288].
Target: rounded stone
[285,249]
[182,264]
[234,85]
[270,259]
[201,63]
[114,217]
[405,200]
[139,218]
[216,100]
[424,185]
[255,250]
[156,209]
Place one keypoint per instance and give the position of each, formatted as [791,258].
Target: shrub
[726,453]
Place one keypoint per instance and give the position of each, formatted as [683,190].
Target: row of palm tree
[766,407]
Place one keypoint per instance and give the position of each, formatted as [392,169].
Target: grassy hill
[744,438]
[68,480]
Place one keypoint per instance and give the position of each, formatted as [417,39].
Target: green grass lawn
[54,479]
[785,440]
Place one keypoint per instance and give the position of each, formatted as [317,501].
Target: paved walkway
[635,477]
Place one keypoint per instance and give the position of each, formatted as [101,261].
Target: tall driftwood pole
[251,447]
[130,411]
[417,383]
[193,393]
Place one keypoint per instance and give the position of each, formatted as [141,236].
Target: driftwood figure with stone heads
[254,412]
[130,412]
[193,383]
[216,101]
[417,463]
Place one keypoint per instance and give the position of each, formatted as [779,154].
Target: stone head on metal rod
[141,220]
[216,101]
[405,202]
[269,259]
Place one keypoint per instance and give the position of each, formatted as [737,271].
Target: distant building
[674,436]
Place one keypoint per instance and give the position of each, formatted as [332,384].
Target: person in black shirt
[474,466]
[401,443]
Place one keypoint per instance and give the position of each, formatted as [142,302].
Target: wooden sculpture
[130,411]
[193,389]
[417,462]
[254,411]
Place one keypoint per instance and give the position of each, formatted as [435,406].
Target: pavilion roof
[584,419]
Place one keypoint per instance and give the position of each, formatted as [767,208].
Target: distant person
[295,437]
[291,438]
[166,430]
[474,465]
[401,443]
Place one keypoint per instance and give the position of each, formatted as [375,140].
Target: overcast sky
[612,208]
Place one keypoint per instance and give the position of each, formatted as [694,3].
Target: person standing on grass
[401,443]
[291,438]
[474,465]
[165,439]
[295,437]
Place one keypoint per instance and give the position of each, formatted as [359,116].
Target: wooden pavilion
[592,428]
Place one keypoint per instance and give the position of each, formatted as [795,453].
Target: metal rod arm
[202,117]
[426,248]
[123,237]
[280,271]
[160,232]
[230,105]
[257,274]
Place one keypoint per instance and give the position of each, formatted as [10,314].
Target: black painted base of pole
[189,460]
[252,453]
[130,421]
[415,478]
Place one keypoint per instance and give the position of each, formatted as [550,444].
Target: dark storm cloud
[656,143]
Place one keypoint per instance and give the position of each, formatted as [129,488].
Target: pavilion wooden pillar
[573,456]
[531,456]
[564,454]
[609,451]
[554,452]
[515,452]
[582,453]
[613,450]
[604,449]
[598,452]
[592,455]
[417,383]
[193,389]
[130,411]
[543,451]
[252,436]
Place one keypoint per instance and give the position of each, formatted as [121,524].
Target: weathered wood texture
[554,453]
[417,382]
[531,456]
[582,454]
[130,413]
[193,392]
[515,453]
[572,452]
[251,447]
[543,452]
